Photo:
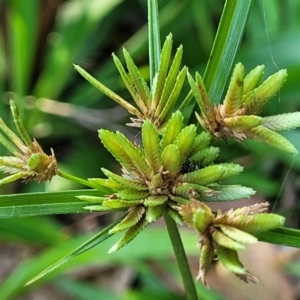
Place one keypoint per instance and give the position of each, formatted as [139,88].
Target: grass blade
[92,242]
[153,38]
[37,204]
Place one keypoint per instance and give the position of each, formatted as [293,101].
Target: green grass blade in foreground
[153,38]
[226,44]
[36,204]
[92,242]
[132,255]
[281,236]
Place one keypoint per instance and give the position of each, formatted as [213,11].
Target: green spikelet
[183,190]
[174,95]
[19,124]
[201,142]
[227,193]
[155,200]
[156,181]
[205,156]
[170,159]
[132,194]
[213,173]
[233,98]
[174,126]
[178,199]
[252,79]
[112,144]
[205,259]
[185,140]
[265,92]
[174,215]
[257,222]
[118,203]
[226,241]
[231,170]
[136,77]
[202,219]
[282,122]
[200,93]
[129,235]
[13,177]
[95,199]
[170,81]
[151,146]
[129,84]
[199,189]
[132,218]
[101,208]
[136,157]
[108,92]
[104,182]
[134,184]
[205,176]
[162,71]
[153,213]
[230,260]
[263,134]
[243,122]
[238,235]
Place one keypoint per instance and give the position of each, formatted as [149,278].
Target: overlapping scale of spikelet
[162,174]
[224,233]
[237,116]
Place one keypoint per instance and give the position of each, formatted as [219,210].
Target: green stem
[181,259]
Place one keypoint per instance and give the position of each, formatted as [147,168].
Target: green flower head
[162,175]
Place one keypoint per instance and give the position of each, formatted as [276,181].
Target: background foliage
[38,44]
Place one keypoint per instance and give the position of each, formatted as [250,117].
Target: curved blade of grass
[37,204]
[153,38]
[92,242]
[226,44]
[281,236]
[13,284]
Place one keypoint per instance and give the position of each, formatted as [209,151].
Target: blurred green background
[39,42]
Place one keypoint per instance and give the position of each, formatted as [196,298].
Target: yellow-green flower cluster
[237,116]
[154,103]
[29,161]
[224,233]
[164,173]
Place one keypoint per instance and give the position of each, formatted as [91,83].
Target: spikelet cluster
[29,161]
[222,234]
[153,103]
[237,117]
[162,174]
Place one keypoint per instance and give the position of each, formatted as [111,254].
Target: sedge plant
[173,172]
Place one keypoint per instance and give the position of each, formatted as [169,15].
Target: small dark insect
[189,166]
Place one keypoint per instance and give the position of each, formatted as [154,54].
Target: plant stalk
[181,258]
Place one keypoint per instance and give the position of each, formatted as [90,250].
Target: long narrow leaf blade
[281,236]
[153,38]
[37,204]
[92,242]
